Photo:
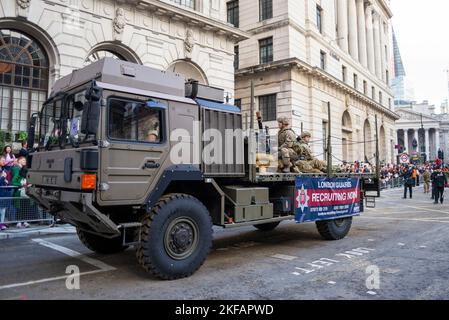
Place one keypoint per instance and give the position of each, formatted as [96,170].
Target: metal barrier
[20,209]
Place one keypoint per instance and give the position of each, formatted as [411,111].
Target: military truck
[105,164]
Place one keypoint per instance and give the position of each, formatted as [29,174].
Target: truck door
[135,147]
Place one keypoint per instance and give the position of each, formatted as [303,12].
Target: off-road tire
[266,226]
[99,244]
[156,256]
[334,229]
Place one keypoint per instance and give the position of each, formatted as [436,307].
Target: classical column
[370,39]
[416,136]
[437,142]
[342,24]
[353,34]
[406,144]
[427,141]
[361,31]
[382,50]
[377,51]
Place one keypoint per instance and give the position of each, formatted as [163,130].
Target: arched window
[24,79]
[100,54]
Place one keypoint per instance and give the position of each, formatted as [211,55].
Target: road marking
[103,267]
[426,209]
[74,254]
[332,282]
[284,257]
[423,247]
[371,293]
[15,285]
[371,240]
[296,273]
[401,244]
[403,219]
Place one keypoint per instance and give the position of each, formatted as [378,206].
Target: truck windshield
[50,122]
[60,121]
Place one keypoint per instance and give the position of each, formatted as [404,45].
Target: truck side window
[134,121]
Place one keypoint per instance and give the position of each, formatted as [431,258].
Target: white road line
[296,273]
[103,267]
[401,244]
[371,293]
[403,219]
[94,262]
[15,285]
[332,282]
[423,247]
[284,257]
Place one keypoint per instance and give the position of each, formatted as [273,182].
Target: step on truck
[134,156]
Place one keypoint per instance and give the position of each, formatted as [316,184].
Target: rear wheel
[334,229]
[267,226]
[99,244]
[176,237]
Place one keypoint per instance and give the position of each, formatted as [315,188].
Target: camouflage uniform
[307,163]
[286,142]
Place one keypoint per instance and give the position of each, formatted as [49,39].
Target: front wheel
[334,229]
[176,237]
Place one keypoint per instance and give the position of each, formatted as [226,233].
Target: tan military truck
[105,164]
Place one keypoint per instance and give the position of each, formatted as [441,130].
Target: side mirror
[91,114]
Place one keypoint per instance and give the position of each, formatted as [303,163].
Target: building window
[233,13]
[323,60]
[387,77]
[365,87]
[24,71]
[265,9]
[356,81]
[185,3]
[238,103]
[373,93]
[267,106]
[266,50]
[380,97]
[319,18]
[389,103]
[344,72]
[236,57]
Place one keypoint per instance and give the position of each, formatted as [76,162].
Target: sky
[422,31]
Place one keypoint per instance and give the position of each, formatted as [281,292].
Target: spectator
[440,184]
[9,157]
[407,175]
[24,151]
[4,193]
[19,180]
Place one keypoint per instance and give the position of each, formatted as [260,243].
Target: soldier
[150,130]
[286,142]
[307,163]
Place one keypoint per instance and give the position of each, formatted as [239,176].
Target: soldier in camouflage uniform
[150,129]
[286,142]
[307,163]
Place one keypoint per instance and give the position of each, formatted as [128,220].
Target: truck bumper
[75,208]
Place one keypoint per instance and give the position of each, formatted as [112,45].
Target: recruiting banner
[326,199]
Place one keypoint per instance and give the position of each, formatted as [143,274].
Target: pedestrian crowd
[13,184]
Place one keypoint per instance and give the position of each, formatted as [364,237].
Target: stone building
[303,54]
[42,40]
[421,131]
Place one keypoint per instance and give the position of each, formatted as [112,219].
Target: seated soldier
[150,129]
[286,142]
[307,163]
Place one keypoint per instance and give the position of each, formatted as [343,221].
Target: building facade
[41,41]
[421,131]
[304,54]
